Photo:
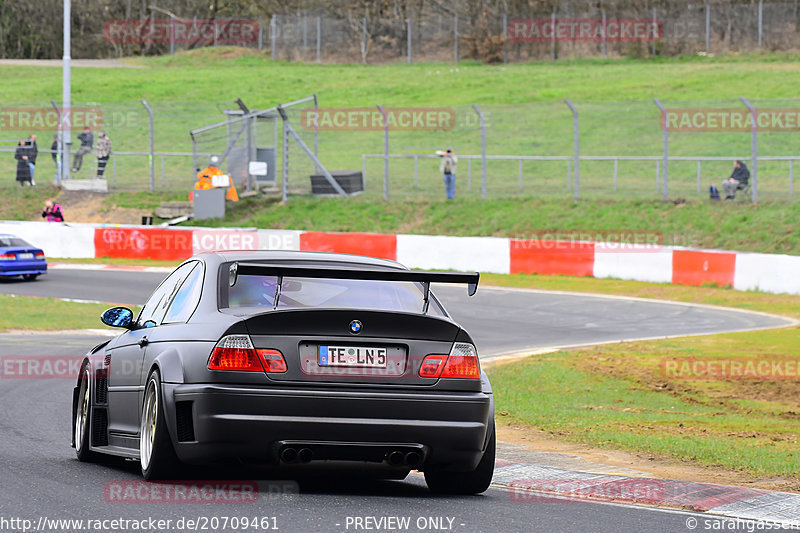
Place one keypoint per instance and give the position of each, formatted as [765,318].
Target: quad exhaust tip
[293,455]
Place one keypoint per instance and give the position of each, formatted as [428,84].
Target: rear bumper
[17,268]
[251,423]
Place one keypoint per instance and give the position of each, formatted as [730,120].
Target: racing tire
[474,482]
[156,453]
[82,417]
[30,277]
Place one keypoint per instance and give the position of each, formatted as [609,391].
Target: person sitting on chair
[737,180]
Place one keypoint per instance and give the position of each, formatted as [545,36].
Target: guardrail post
[576,172]
[152,147]
[483,150]
[664,150]
[385,153]
[753,148]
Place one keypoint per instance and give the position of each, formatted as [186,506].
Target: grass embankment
[768,227]
[523,104]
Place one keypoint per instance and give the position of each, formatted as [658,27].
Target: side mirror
[118,317]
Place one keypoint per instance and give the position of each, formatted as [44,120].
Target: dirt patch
[81,206]
[649,465]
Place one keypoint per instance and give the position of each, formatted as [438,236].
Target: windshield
[12,241]
[260,291]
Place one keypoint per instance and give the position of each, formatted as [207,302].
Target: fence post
[616,172]
[152,147]
[576,157]
[699,163]
[316,134]
[163,172]
[385,153]
[483,150]
[113,170]
[319,39]
[455,38]
[260,36]
[469,173]
[408,39]
[664,150]
[273,34]
[505,38]
[285,159]
[708,27]
[553,35]
[520,175]
[760,21]
[364,41]
[791,177]
[655,25]
[753,148]
[605,40]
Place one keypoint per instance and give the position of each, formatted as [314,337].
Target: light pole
[66,97]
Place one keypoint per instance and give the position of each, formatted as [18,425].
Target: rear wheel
[474,482]
[30,277]
[82,417]
[156,453]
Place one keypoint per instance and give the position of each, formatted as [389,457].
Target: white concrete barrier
[484,254]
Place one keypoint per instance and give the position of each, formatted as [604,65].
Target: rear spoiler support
[418,276]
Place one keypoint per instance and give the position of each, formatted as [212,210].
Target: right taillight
[462,363]
[236,353]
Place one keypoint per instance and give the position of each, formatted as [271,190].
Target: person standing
[33,153]
[448,169]
[87,142]
[23,168]
[103,152]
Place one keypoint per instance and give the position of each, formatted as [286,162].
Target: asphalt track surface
[40,479]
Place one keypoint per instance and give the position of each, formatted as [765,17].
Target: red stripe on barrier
[143,243]
[691,267]
[552,257]
[369,244]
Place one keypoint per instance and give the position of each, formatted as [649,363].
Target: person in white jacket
[448,169]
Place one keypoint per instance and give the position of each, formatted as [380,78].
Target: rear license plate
[358,356]
[25,256]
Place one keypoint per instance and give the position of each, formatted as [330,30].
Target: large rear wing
[419,276]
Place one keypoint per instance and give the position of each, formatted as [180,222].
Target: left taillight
[8,257]
[461,363]
[236,353]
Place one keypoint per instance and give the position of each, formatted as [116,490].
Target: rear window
[12,241]
[259,291]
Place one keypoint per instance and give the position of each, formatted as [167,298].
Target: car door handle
[144,342]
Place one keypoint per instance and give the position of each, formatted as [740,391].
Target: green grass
[617,397]
[701,224]
[49,314]
[523,104]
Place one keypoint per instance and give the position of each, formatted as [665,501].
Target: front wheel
[82,417]
[474,482]
[156,453]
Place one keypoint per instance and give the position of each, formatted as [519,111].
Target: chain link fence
[569,30]
[531,150]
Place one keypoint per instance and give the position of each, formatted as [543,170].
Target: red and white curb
[531,483]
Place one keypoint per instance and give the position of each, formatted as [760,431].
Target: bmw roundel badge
[355,326]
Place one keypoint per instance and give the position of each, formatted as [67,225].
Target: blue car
[18,258]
